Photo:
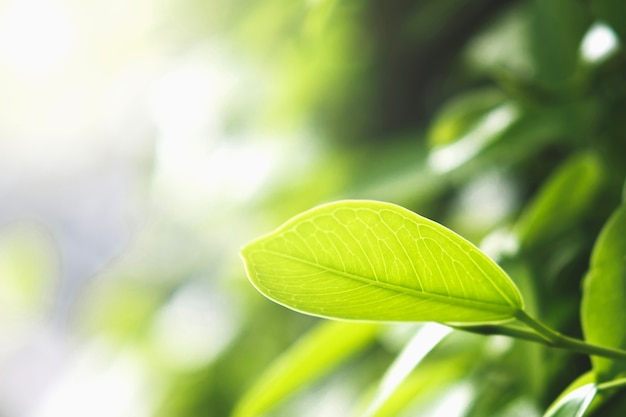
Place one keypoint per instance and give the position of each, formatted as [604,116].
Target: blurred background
[143,142]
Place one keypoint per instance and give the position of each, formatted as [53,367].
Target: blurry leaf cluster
[502,120]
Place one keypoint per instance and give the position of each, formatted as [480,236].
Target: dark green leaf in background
[558,27]
[562,200]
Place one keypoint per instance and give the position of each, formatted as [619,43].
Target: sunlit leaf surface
[368,260]
[603,313]
[573,404]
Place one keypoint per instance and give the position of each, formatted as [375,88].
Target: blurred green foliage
[521,112]
[489,117]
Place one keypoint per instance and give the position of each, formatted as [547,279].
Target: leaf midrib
[445,299]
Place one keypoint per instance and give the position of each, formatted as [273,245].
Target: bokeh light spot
[36,37]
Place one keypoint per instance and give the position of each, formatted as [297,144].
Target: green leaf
[461,113]
[429,383]
[558,27]
[368,260]
[587,378]
[560,203]
[574,404]
[603,312]
[486,130]
[315,354]
[424,341]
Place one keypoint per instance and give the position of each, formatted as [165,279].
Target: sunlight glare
[500,243]
[455,403]
[100,383]
[36,37]
[199,160]
[599,42]
[194,327]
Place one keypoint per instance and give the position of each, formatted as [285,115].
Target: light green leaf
[604,390]
[574,404]
[603,312]
[560,203]
[587,378]
[368,260]
[425,340]
[315,354]
[428,384]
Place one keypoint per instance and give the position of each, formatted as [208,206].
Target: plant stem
[616,383]
[556,339]
[517,333]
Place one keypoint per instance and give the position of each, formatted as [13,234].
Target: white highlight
[455,403]
[599,42]
[36,37]
[199,161]
[194,327]
[100,383]
[500,243]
